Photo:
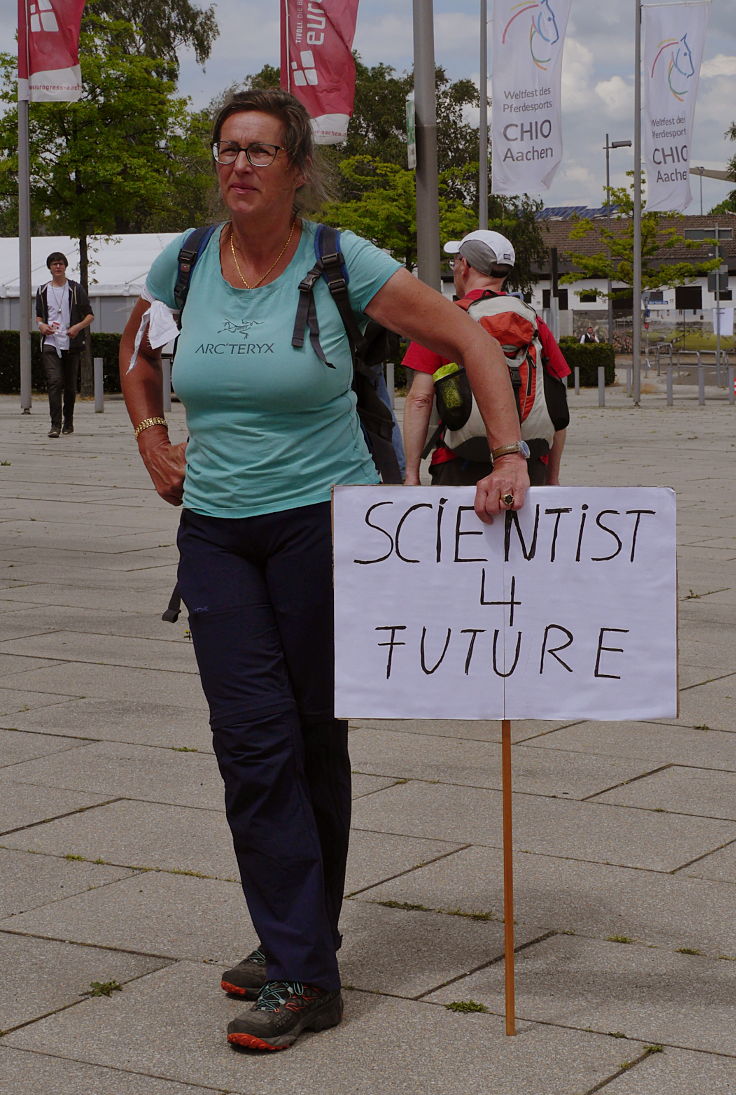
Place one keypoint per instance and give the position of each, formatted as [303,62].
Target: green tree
[615,260]
[728,205]
[161,30]
[104,164]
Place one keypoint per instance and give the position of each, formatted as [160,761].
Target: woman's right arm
[143,393]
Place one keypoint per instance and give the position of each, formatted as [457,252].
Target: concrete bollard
[670,398]
[701,383]
[731,382]
[576,374]
[601,386]
[99,385]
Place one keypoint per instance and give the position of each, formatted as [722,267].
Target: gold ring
[507,499]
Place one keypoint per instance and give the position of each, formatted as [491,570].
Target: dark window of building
[561,299]
[688,298]
[586,298]
[726,294]
[656,296]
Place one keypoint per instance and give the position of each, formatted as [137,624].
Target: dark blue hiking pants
[259,595]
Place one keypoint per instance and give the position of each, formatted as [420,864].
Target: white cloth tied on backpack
[162,328]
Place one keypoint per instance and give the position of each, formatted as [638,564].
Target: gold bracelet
[147,423]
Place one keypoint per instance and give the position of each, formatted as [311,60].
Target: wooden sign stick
[508,877]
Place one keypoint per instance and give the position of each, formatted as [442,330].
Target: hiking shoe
[248,977]
[282,1011]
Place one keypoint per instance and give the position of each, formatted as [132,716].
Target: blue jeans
[259,595]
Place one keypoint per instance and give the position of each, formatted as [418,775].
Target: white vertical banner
[674,36]
[526,115]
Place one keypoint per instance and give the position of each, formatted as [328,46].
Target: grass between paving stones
[102,988]
[466,1006]
[407,906]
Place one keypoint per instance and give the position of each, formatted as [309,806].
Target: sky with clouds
[597,83]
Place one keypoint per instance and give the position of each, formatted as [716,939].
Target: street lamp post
[608,146]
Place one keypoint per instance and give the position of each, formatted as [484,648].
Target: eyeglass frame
[215,148]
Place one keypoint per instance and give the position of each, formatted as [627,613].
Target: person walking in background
[481,262]
[271,430]
[62,314]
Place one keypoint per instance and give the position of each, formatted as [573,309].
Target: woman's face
[256,190]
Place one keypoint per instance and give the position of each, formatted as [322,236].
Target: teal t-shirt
[270,427]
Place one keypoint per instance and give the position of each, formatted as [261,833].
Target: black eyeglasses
[257,153]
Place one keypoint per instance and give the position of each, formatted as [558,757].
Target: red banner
[48,50]
[317,63]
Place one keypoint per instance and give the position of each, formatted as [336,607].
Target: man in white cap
[481,262]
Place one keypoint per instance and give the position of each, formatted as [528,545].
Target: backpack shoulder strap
[329,265]
[191,249]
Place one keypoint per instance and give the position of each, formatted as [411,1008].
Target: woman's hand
[165,463]
[508,480]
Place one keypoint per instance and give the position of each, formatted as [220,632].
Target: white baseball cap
[483,250]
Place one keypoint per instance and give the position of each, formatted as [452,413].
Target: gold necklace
[271,267]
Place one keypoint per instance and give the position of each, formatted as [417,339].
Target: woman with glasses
[271,430]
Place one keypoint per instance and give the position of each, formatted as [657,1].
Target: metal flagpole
[24,232]
[636,288]
[483,121]
[428,214]
[508,880]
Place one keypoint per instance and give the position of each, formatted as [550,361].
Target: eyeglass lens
[259,155]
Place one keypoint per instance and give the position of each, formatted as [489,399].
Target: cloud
[617,96]
[720,65]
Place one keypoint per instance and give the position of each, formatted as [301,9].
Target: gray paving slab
[643,992]
[564,895]
[579,830]
[16,746]
[677,1072]
[535,771]
[178,726]
[145,623]
[15,700]
[120,598]
[137,834]
[682,790]
[366,785]
[22,805]
[42,975]
[28,1073]
[85,679]
[656,743]
[173,655]
[438,1051]
[115,769]
[31,881]
[713,704]
[150,913]
[17,664]
[719,865]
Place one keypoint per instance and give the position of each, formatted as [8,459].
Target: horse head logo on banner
[544,32]
[678,56]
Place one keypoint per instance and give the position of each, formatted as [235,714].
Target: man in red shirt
[482,261]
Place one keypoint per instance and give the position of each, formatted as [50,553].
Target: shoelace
[257,956]
[274,994]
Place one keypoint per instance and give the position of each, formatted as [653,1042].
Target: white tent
[118,268]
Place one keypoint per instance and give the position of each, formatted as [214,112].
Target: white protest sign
[566,609]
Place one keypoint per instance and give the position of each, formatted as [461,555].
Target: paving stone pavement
[117,868]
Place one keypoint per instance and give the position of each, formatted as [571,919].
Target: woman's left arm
[411,308]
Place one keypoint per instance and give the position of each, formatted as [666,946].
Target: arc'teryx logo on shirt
[237,348]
